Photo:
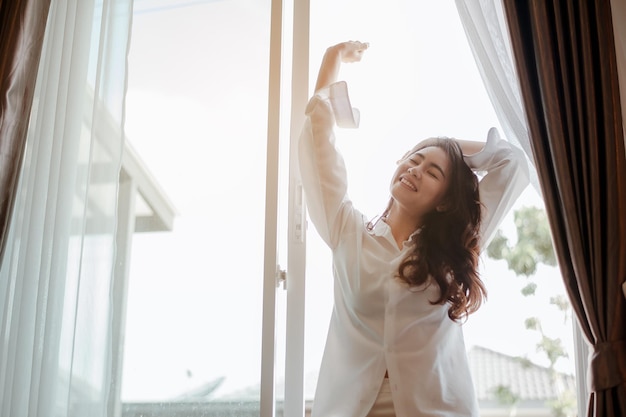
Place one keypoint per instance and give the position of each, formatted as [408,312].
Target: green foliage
[561,302]
[524,362]
[534,243]
[505,396]
[553,348]
[529,289]
[498,248]
[532,323]
[533,227]
[533,247]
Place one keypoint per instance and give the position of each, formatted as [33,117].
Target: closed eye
[438,169]
[429,172]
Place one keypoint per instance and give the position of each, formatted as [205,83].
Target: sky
[197,116]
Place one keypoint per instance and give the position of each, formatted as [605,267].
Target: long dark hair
[447,246]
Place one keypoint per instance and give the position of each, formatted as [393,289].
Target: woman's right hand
[344,52]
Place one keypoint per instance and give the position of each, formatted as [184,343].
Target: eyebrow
[433,164]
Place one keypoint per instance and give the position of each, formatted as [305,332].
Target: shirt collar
[381,228]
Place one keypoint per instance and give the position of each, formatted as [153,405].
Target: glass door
[197,117]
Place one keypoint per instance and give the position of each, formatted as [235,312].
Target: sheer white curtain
[57,274]
[487,33]
[485,26]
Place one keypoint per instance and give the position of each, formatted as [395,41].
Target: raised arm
[470,147]
[344,52]
[505,177]
[322,168]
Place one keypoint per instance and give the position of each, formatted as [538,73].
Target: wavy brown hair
[447,246]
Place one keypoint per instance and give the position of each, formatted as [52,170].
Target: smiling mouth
[407,183]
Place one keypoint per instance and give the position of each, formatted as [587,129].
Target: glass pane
[419,79]
[197,118]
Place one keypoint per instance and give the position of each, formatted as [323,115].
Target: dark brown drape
[565,57]
[22,27]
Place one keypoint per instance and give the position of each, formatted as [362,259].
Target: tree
[534,247]
[505,396]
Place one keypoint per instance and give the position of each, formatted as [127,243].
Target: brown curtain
[565,57]
[22,27]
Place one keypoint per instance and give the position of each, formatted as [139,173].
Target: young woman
[404,283]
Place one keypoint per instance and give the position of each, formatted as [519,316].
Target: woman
[403,284]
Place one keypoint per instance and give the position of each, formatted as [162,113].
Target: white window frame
[296,229]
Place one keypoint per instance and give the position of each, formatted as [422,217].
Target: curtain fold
[566,62]
[487,35]
[57,275]
[22,25]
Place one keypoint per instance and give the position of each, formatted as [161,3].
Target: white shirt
[378,324]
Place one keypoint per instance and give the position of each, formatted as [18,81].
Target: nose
[415,171]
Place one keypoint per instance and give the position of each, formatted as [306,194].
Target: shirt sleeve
[506,176]
[322,168]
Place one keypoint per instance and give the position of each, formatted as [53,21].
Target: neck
[402,226]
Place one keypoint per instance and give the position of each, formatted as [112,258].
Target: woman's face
[421,180]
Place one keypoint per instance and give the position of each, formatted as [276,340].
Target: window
[197,115]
